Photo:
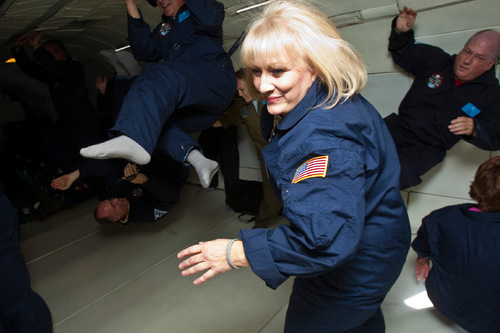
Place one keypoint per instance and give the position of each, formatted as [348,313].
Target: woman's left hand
[205,256]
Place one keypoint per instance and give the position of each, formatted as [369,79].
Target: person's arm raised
[132,9]
[406,19]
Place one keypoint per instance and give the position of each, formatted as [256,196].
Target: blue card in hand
[471,110]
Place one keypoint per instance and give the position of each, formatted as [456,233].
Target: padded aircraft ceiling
[87,26]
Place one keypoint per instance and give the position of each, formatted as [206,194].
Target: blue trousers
[168,100]
[21,309]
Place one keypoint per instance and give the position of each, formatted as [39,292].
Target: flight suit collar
[182,14]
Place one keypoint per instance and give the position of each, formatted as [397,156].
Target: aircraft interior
[115,278]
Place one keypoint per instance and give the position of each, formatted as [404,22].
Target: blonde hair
[299,32]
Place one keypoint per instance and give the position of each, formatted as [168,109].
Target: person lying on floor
[144,195]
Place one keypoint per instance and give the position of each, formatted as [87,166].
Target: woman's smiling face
[282,83]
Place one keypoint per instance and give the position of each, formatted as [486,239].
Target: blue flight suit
[188,90]
[21,309]
[349,232]
[420,129]
[463,281]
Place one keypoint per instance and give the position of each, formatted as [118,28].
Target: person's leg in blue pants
[21,309]
[159,92]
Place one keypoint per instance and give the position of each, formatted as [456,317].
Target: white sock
[119,147]
[204,167]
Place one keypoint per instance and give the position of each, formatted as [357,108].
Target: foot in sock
[204,167]
[207,172]
[119,147]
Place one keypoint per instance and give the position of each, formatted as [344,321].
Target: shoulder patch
[159,213]
[165,28]
[315,167]
[435,81]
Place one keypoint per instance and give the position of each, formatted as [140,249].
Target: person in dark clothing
[66,82]
[453,97]
[458,252]
[146,195]
[184,93]
[21,309]
[221,144]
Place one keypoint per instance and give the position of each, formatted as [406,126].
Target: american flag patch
[315,167]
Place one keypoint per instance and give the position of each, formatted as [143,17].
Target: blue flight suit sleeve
[143,44]
[421,243]
[487,125]
[207,15]
[328,216]
[413,57]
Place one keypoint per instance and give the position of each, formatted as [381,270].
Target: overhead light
[244,9]
[121,48]
[10,61]
[235,10]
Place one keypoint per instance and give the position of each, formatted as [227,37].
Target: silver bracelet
[228,253]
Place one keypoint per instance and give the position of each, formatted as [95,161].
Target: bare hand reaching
[406,19]
[64,182]
[101,83]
